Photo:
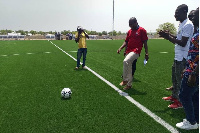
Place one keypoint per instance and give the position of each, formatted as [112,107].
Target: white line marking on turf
[15,54]
[47,52]
[140,106]
[163,52]
[29,53]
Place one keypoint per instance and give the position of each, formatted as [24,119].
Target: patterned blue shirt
[193,54]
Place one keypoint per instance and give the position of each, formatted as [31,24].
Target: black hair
[133,19]
[183,7]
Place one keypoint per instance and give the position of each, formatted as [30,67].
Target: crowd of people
[58,36]
[185,68]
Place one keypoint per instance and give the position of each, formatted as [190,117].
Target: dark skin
[79,34]
[190,15]
[180,15]
[192,77]
[133,25]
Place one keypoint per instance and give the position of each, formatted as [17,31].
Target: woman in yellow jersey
[80,38]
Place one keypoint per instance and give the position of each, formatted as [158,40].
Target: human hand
[146,57]
[164,34]
[183,73]
[191,80]
[118,51]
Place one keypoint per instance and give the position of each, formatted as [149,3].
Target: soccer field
[33,73]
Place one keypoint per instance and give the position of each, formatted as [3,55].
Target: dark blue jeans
[134,67]
[189,97]
[79,54]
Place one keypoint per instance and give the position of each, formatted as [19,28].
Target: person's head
[195,17]
[190,15]
[181,12]
[79,29]
[133,23]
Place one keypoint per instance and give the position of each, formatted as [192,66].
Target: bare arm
[192,78]
[146,50]
[181,42]
[86,34]
[77,39]
[166,35]
[123,45]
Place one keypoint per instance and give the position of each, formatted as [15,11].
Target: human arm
[77,37]
[192,77]
[125,49]
[166,35]
[146,50]
[123,45]
[181,42]
[85,34]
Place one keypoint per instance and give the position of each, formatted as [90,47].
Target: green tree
[41,33]
[113,32]
[99,33]
[21,31]
[65,32]
[104,33]
[5,32]
[119,33]
[93,33]
[33,32]
[167,26]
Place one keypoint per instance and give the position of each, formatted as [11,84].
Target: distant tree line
[33,32]
[165,26]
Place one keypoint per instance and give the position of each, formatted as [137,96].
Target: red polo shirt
[135,39]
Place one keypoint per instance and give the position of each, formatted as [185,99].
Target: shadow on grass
[80,69]
[136,80]
[65,99]
[133,91]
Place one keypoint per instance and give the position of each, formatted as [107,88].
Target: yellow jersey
[82,40]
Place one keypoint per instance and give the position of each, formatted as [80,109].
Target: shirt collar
[137,27]
[184,22]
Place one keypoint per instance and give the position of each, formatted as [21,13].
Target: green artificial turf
[32,80]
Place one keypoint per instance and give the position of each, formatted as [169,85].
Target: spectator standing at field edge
[190,15]
[189,93]
[80,38]
[136,37]
[182,42]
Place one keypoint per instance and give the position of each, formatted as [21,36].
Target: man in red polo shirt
[136,37]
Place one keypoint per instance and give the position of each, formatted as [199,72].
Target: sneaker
[76,68]
[127,87]
[170,98]
[169,88]
[176,105]
[84,67]
[186,125]
[123,83]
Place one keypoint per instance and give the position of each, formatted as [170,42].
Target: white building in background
[12,36]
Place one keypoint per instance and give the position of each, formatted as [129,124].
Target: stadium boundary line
[140,106]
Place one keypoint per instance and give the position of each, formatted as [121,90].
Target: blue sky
[59,15]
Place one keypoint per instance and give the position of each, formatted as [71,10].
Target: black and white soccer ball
[66,93]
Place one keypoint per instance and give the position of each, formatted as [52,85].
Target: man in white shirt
[182,42]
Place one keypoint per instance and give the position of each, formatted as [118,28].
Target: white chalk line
[26,53]
[140,106]
[163,52]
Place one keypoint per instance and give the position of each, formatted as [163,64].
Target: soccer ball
[66,93]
